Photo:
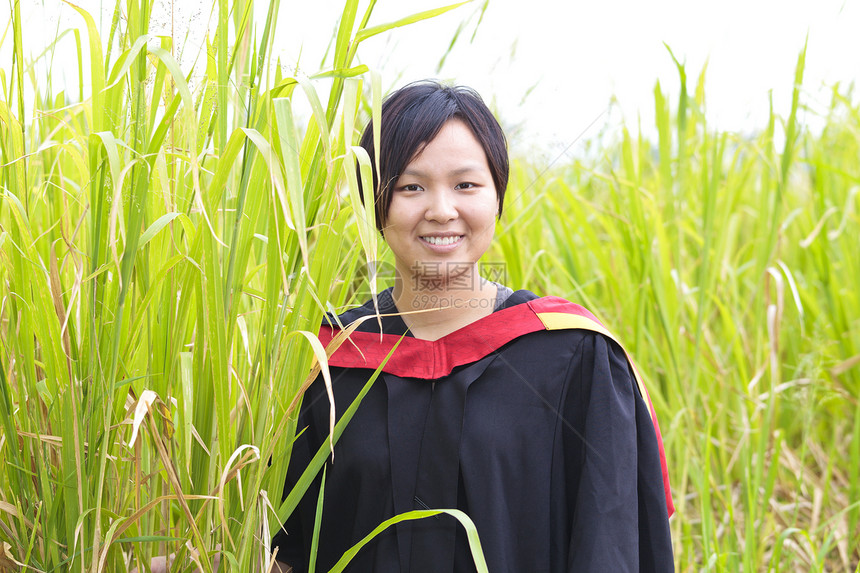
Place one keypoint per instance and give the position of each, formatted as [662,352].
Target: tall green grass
[167,255]
[167,249]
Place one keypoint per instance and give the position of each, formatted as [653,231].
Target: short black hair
[412,116]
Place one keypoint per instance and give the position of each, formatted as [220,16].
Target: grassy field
[168,246]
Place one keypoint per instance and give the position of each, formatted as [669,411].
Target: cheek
[397,215]
[485,216]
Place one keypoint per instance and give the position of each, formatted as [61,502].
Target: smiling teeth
[441,240]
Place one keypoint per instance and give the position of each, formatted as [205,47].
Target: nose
[441,207]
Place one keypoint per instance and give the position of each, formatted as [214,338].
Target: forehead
[455,143]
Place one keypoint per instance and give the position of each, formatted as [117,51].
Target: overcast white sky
[551,67]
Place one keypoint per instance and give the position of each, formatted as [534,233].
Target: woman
[499,403]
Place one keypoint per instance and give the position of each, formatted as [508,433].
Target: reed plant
[168,250]
[170,238]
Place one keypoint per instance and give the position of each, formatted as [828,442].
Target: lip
[441,248]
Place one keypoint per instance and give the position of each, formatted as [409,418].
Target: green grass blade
[471,534]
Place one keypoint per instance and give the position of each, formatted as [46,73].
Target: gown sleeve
[619,517]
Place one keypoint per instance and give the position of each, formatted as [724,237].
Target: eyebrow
[456,172]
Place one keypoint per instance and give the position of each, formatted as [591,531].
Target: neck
[444,305]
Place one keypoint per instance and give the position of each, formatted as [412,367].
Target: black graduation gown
[545,441]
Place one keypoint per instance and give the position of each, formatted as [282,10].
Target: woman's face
[443,208]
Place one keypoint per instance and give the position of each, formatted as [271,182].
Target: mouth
[442,241]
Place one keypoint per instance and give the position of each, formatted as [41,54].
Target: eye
[411,187]
[465,185]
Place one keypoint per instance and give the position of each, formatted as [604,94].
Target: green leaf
[471,534]
[315,541]
[97,74]
[159,224]
[290,150]
[374,30]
